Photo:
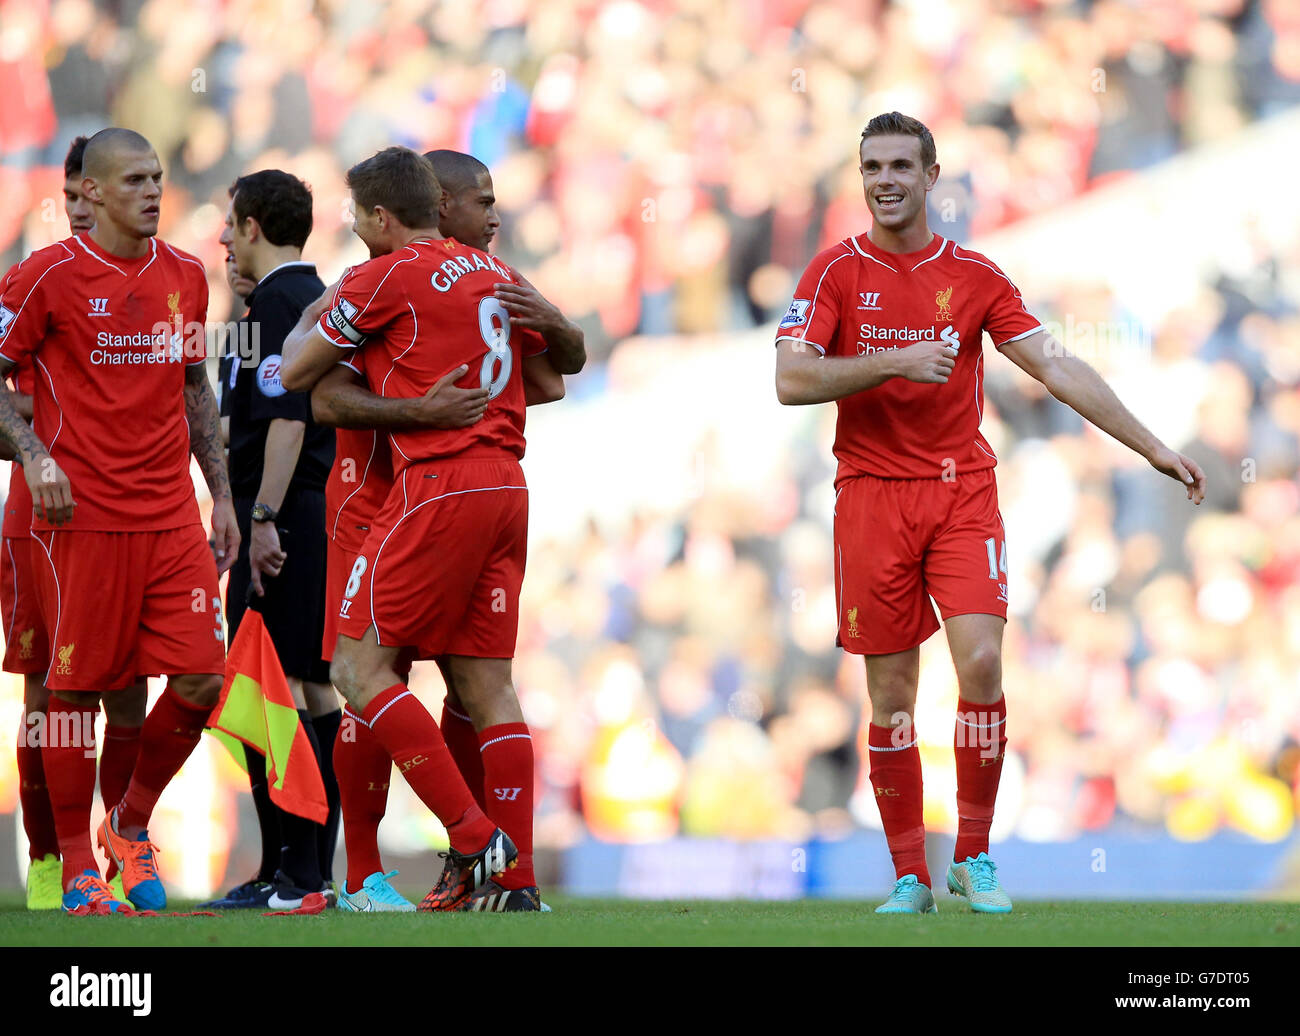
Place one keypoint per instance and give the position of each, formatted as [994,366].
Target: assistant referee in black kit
[279,461]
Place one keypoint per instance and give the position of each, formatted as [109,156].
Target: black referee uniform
[294,605]
[296,853]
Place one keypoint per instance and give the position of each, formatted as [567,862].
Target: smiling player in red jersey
[422,308]
[119,408]
[889,324]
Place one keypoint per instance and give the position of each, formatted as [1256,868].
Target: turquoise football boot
[977,879]
[909,897]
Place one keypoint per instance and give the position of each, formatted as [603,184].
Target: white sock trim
[458,715]
[980,726]
[404,694]
[894,748]
[503,737]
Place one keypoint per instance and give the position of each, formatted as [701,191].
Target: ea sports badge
[268,376]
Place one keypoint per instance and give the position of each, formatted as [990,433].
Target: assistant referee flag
[257,709]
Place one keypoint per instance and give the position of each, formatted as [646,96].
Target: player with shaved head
[27,648]
[125,579]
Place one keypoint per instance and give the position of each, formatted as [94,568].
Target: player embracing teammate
[120,404]
[889,324]
[439,571]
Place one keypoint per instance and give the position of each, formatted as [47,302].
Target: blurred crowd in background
[664,170]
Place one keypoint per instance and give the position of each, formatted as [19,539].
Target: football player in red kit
[359,484]
[889,324]
[423,307]
[125,579]
[27,648]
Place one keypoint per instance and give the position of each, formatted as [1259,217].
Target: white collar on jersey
[291,262]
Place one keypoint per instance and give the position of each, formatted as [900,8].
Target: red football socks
[980,743]
[507,753]
[170,732]
[414,743]
[896,778]
[69,758]
[463,744]
[116,761]
[38,818]
[362,767]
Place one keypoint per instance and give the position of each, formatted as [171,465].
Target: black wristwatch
[262,513]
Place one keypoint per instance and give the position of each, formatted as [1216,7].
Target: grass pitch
[603,922]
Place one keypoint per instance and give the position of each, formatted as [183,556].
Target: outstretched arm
[206,445]
[1083,390]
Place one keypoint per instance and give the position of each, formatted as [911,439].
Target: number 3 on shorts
[354,580]
[494,326]
[997,560]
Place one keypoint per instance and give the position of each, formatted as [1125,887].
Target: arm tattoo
[16,432]
[354,406]
[205,430]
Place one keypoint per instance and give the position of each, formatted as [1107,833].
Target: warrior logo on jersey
[797,313]
[942,299]
[6,318]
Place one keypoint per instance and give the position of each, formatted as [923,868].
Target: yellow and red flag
[256,708]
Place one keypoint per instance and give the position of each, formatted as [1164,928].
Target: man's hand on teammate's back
[51,491]
[529,308]
[929,363]
[265,556]
[1183,469]
[447,406]
[225,534]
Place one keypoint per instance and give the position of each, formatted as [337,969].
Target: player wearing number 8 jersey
[357,488]
[440,569]
[889,324]
[467,326]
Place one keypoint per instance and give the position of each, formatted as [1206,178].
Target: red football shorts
[338,566]
[123,605]
[27,649]
[899,542]
[442,566]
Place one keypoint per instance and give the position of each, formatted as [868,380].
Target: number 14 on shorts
[997,564]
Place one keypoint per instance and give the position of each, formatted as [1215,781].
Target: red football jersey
[855,299]
[106,337]
[420,312]
[18,504]
[359,481]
